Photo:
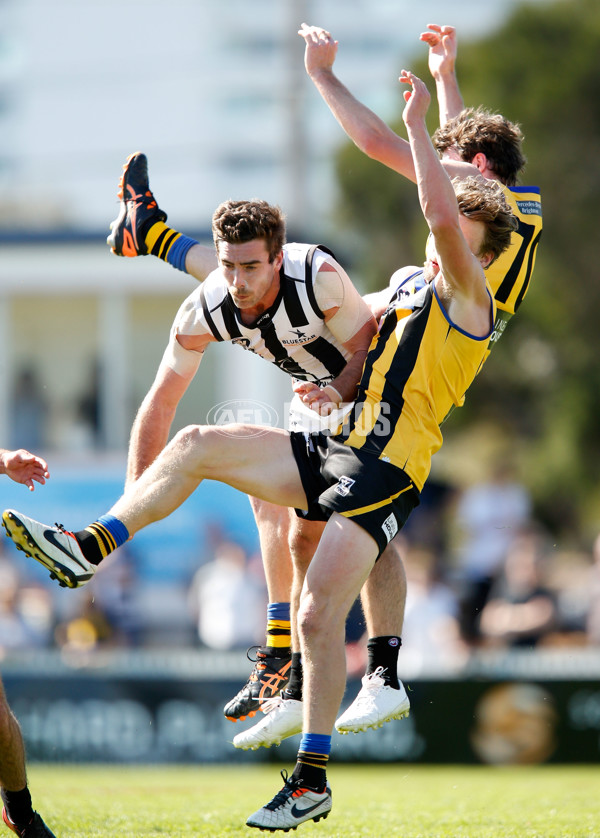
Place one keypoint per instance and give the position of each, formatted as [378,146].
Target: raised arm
[442,60]
[460,281]
[366,130]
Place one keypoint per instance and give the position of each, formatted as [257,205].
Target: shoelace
[68,544]
[270,704]
[371,685]
[283,795]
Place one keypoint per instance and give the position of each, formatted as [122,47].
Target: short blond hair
[483,200]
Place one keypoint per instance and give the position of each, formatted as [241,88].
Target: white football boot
[291,806]
[283,718]
[54,547]
[375,704]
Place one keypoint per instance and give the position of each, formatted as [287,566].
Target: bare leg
[382,696]
[344,558]
[13,776]
[303,541]
[257,464]
[273,524]
[383,595]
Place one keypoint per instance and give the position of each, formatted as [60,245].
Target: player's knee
[302,547]
[310,618]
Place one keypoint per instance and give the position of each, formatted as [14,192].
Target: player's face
[252,280]
[473,232]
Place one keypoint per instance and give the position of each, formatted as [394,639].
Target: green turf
[368,801]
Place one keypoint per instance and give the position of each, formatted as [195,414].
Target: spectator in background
[117,593]
[431,633]
[25,612]
[86,630]
[228,598]
[521,610]
[489,515]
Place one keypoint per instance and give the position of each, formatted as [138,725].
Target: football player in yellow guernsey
[365,478]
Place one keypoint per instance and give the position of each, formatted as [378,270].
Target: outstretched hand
[321,49]
[23,467]
[417,99]
[442,48]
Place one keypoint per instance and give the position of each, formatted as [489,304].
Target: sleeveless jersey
[510,275]
[418,368]
[291,334]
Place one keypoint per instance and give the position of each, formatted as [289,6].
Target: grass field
[368,801]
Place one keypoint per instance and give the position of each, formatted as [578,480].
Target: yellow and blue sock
[278,628]
[313,756]
[102,538]
[169,245]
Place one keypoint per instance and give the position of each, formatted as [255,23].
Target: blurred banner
[173,714]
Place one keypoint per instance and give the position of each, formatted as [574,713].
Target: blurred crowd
[482,574]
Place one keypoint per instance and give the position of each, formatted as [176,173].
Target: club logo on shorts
[344,485]
[390,527]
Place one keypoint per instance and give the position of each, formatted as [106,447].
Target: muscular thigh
[255,460]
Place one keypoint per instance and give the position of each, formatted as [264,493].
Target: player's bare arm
[349,319]
[366,130]
[442,44]
[152,424]
[23,467]
[460,282]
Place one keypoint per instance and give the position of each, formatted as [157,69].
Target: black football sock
[294,686]
[383,651]
[311,767]
[18,806]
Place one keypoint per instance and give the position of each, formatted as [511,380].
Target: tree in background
[541,387]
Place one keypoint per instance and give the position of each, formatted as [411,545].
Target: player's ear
[278,260]
[486,260]
[481,161]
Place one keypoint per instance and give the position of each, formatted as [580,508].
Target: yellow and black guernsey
[509,276]
[419,367]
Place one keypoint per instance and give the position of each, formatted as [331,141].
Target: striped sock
[169,245]
[278,627]
[313,756]
[102,538]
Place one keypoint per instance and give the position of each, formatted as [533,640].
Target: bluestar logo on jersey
[300,338]
[245,412]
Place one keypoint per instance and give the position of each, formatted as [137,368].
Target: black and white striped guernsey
[292,333]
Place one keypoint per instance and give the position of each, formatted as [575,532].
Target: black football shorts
[337,478]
